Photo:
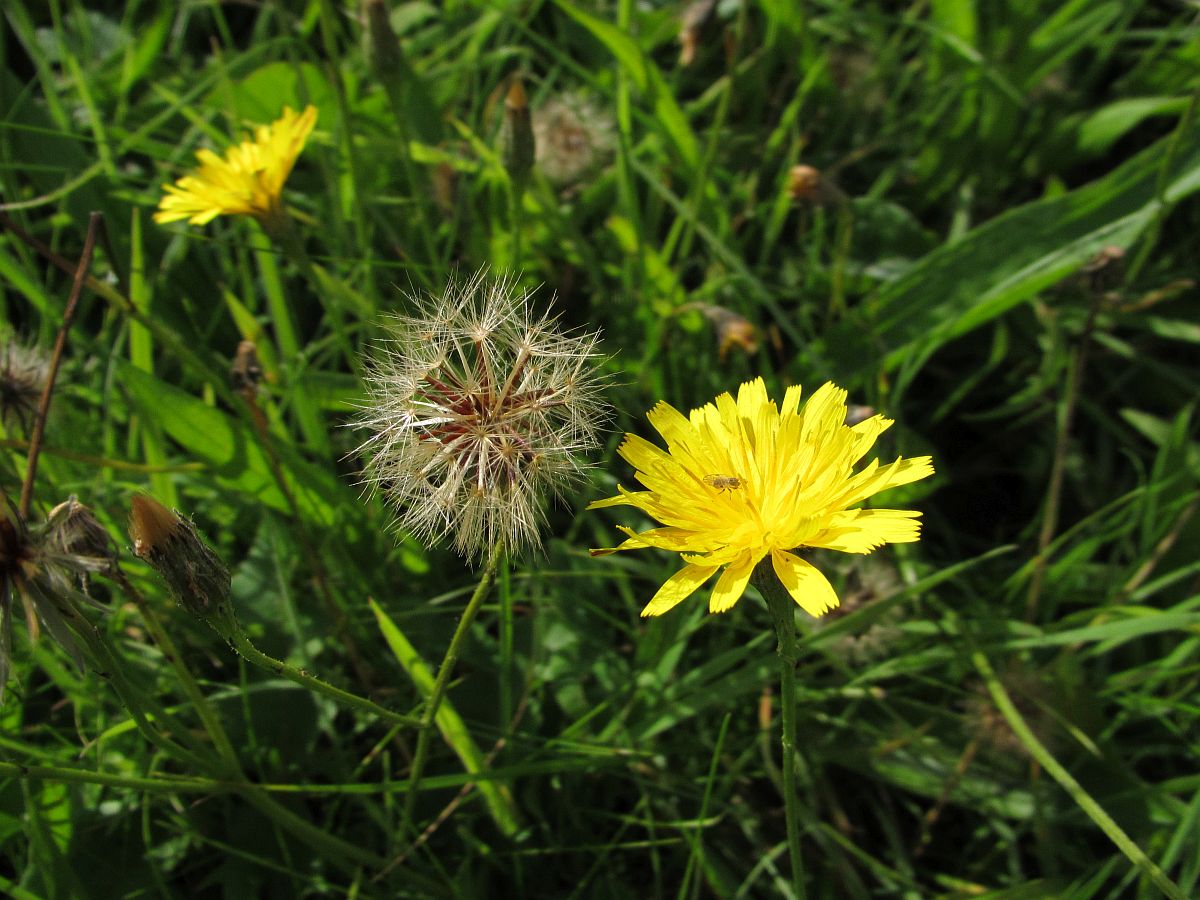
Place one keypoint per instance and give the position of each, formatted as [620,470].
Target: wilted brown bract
[151,525]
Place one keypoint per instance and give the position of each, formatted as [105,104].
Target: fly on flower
[247,181]
[795,487]
[723,482]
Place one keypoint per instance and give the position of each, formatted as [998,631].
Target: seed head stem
[433,704]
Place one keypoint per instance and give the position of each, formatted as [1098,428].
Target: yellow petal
[677,588]
[864,530]
[732,583]
[873,478]
[622,499]
[804,581]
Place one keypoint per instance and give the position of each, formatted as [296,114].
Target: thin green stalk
[516,211]
[283,320]
[783,612]
[1082,798]
[443,680]
[256,796]
[1062,446]
[157,784]
[288,240]
[507,672]
[105,660]
[208,716]
[240,641]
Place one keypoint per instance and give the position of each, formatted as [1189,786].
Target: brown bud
[809,184]
[518,147]
[732,329]
[194,574]
[245,373]
[690,23]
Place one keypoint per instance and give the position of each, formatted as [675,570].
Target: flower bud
[518,147]
[810,184]
[194,574]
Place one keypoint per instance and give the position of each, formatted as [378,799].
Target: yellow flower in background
[247,181]
[742,479]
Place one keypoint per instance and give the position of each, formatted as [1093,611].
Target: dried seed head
[42,566]
[23,372]
[194,574]
[73,530]
[479,407]
[573,138]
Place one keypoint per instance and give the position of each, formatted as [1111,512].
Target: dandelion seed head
[23,372]
[42,565]
[573,137]
[480,408]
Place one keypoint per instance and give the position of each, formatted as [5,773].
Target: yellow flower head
[741,479]
[247,182]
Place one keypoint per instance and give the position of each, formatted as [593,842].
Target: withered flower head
[573,138]
[732,329]
[73,530]
[23,372]
[41,566]
[480,406]
[194,574]
[811,185]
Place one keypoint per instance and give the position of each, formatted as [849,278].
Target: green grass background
[1006,709]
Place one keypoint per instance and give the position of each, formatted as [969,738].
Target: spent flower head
[743,479]
[480,407]
[247,181]
[573,137]
[23,373]
[42,566]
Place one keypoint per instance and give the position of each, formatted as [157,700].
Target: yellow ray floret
[247,181]
[742,479]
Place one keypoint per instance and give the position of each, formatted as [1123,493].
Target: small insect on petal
[723,483]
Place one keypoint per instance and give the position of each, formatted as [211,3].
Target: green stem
[332,848]
[229,629]
[783,612]
[208,716]
[304,830]
[1081,797]
[165,784]
[290,242]
[516,193]
[506,643]
[443,680]
[105,660]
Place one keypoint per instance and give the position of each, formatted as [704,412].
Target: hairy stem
[443,680]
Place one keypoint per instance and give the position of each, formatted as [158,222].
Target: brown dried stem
[95,220]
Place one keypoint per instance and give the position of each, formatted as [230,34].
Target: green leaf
[963,285]
[233,451]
